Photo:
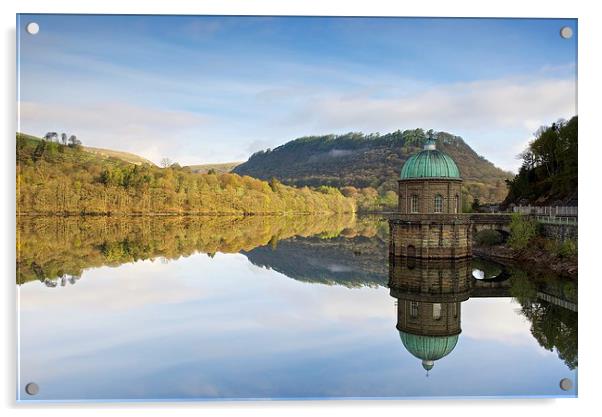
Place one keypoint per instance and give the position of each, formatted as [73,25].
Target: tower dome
[430,163]
[428,348]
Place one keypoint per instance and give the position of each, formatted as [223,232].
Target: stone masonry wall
[420,319]
[430,237]
[426,190]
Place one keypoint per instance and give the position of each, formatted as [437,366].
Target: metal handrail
[556,219]
[547,210]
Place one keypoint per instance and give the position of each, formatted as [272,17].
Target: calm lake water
[276,307]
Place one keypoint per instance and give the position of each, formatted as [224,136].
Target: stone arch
[503,231]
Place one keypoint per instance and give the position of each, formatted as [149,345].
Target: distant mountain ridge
[218,168]
[372,160]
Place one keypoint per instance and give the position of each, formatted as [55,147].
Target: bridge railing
[566,211]
[556,219]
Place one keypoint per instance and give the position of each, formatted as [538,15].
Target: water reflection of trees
[55,247]
[350,259]
[553,326]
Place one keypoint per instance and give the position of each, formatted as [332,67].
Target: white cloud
[149,132]
[493,116]
[473,106]
[492,319]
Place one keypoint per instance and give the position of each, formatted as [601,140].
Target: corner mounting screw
[566,384]
[566,32]
[32,388]
[32,28]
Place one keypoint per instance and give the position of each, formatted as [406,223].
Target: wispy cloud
[474,106]
[220,88]
[147,131]
[494,116]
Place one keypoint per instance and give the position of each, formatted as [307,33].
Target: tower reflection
[429,296]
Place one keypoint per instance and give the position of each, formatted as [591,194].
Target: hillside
[221,168]
[359,160]
[124,156]
[99,152]
[63,179]
[549,172]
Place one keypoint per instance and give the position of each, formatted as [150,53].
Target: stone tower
[429,224]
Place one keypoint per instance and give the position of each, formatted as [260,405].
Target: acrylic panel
[256,207]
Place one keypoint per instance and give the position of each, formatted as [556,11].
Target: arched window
[414,205]
[437,311]
[456,204]
[438,203]
[413,309]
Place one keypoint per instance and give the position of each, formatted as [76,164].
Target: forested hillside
[548,175]
[373,161]
[54,178]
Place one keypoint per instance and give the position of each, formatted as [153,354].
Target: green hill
[373,160]
[217,168]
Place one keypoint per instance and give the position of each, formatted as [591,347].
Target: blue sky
[202,89]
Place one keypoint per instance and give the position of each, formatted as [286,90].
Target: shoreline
[535,260]
[186,214]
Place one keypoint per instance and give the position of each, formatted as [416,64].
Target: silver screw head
[566,32]
[32,28]
[566,384]
[32,388]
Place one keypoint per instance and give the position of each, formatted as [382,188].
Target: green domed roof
[430,163]
[428,348]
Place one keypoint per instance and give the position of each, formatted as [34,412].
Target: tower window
[413,309]
[414,205]
[438,203]
[437,311]
[456,204]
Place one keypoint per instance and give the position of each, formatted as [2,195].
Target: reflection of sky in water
[478,274]
[221,327]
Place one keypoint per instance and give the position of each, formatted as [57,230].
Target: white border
[590,159]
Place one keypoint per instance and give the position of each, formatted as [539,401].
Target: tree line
[57,178]
[548,174]
[372,161]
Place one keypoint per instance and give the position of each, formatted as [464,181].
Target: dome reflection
[429,296]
